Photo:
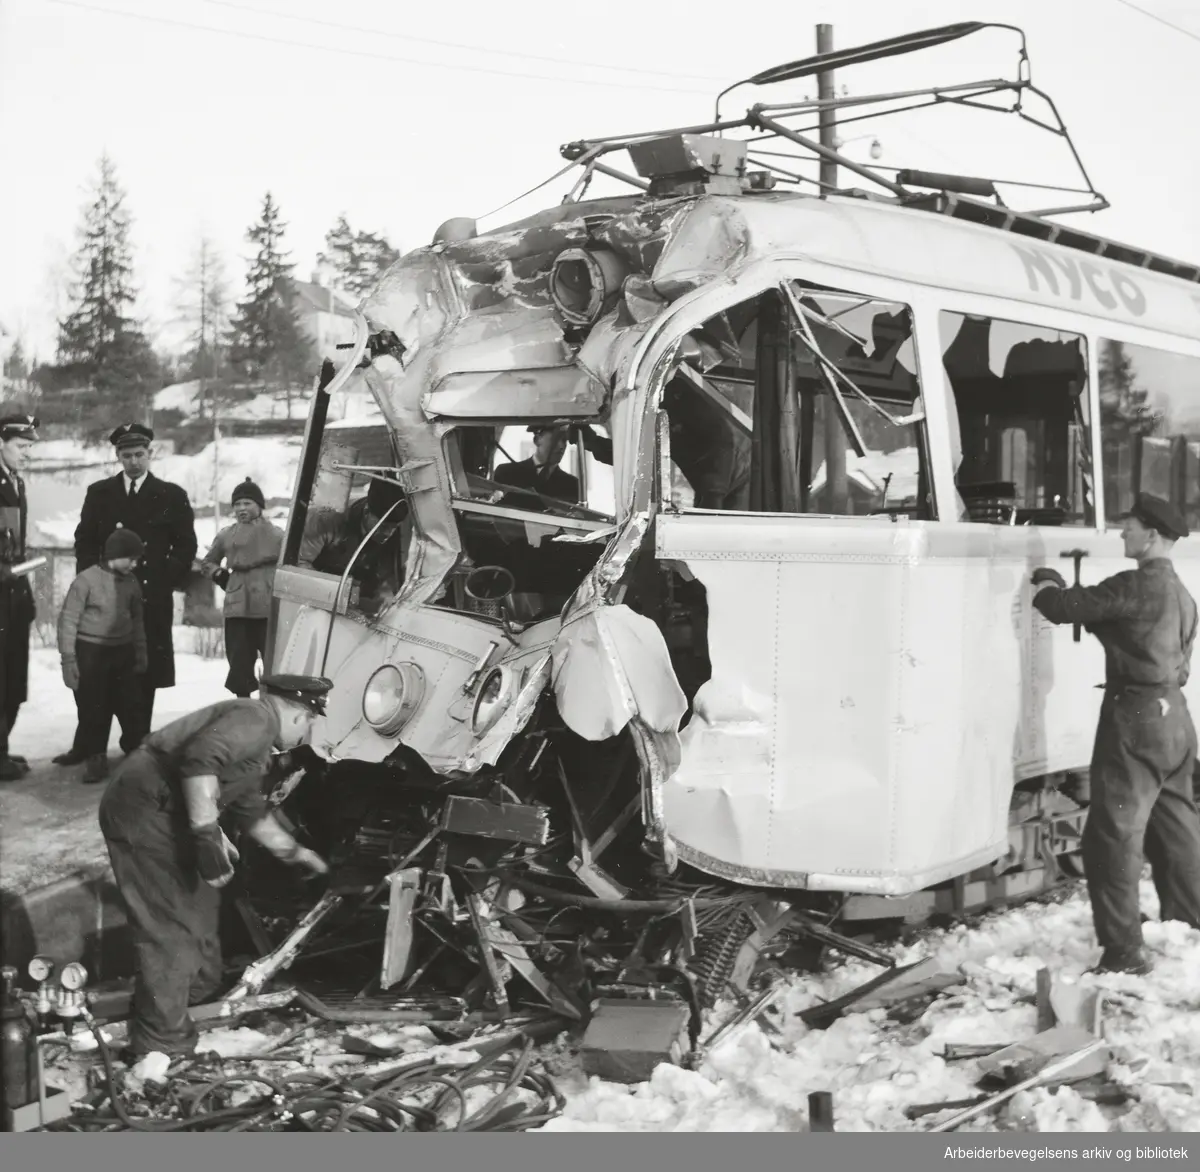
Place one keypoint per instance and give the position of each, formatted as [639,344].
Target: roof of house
[320,298]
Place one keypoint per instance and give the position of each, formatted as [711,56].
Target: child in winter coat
[102,641]
[250,548]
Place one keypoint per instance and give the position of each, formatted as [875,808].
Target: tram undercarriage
[538,868]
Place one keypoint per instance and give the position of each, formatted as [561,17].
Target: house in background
[326,316]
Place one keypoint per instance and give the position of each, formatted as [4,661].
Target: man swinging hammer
[160,819]
[1141,772]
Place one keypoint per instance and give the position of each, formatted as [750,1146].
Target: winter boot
[70,757]
[97,769]
[1134,962]
[11,769]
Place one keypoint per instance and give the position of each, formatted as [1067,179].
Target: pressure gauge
[40,968]
[74,976]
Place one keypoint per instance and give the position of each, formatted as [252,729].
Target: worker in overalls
[1141,773]
[161,822]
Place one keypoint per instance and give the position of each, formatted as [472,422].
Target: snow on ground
[46,721]
[875,1067]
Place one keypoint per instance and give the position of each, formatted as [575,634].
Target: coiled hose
[413,1099]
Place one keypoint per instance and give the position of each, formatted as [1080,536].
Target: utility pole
[835,440]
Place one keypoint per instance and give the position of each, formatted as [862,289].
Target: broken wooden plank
[924,979]
[905,979]
[917,1110]
[1044,1050]
[1043,1077]
[507,821]
[598,881]
[403,887]
[496,977]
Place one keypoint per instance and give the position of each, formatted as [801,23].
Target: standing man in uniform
[18,433]
[1141,773]
[161,515]
[161,822]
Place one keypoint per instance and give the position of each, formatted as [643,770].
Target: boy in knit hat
[250,550]
[102,641]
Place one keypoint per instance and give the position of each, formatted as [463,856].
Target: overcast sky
[402,116]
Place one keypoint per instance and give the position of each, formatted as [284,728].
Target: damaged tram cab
[719,508]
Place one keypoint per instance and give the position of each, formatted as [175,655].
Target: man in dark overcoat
[18,433]
[161,515]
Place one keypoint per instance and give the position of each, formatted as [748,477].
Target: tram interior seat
[990,502]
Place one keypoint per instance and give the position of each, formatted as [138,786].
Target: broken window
[534,501]
[341,524]
[1149,428]
[800,400]
[1023,453]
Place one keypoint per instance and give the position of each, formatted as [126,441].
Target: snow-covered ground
[875,1067]
[46,721]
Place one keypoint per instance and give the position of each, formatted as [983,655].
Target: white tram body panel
[878,684]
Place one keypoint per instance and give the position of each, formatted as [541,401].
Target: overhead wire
[369,55]
[1160,19]
[378,32]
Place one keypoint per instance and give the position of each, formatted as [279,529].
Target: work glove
[70,673]
[215,854]
[1044,574]
[301,757]
[221,576]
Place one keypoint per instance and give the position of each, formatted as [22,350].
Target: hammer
[1078,555]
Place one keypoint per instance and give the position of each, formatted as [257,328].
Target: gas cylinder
[19,1046]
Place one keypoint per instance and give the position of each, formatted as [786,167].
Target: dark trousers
[138,713]
[14,647]
[173,914]
[107,688]
[1142,806]
[245,642]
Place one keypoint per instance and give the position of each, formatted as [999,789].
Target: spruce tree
[267,343]
[100,344]
[203,304]
[356,259]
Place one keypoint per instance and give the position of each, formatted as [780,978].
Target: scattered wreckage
[774,667]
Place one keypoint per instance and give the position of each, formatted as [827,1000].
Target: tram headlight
[493,700]
[392,695]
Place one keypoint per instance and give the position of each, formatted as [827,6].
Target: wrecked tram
[781,641]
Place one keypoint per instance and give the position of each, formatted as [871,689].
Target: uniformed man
[541,472]
[18,433]
[1141,773]
[161,822]
[161,515]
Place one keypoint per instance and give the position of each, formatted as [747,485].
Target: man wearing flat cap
[161,818]
[18,433]
[161,515]
[1141,774]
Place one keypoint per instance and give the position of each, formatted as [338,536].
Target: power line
[378,32]
[1187,32]
[206,28]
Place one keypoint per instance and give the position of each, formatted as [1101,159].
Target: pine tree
[203,303]
[99,342]
[356,259]
[267,342]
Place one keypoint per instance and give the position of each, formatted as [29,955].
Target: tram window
[1149,428]
[1023,451]
[510,511]
[752,417]
[335,518]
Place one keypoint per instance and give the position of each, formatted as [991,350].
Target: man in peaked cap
[1141,772]
[18,433]
[161,818]
[161,515]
